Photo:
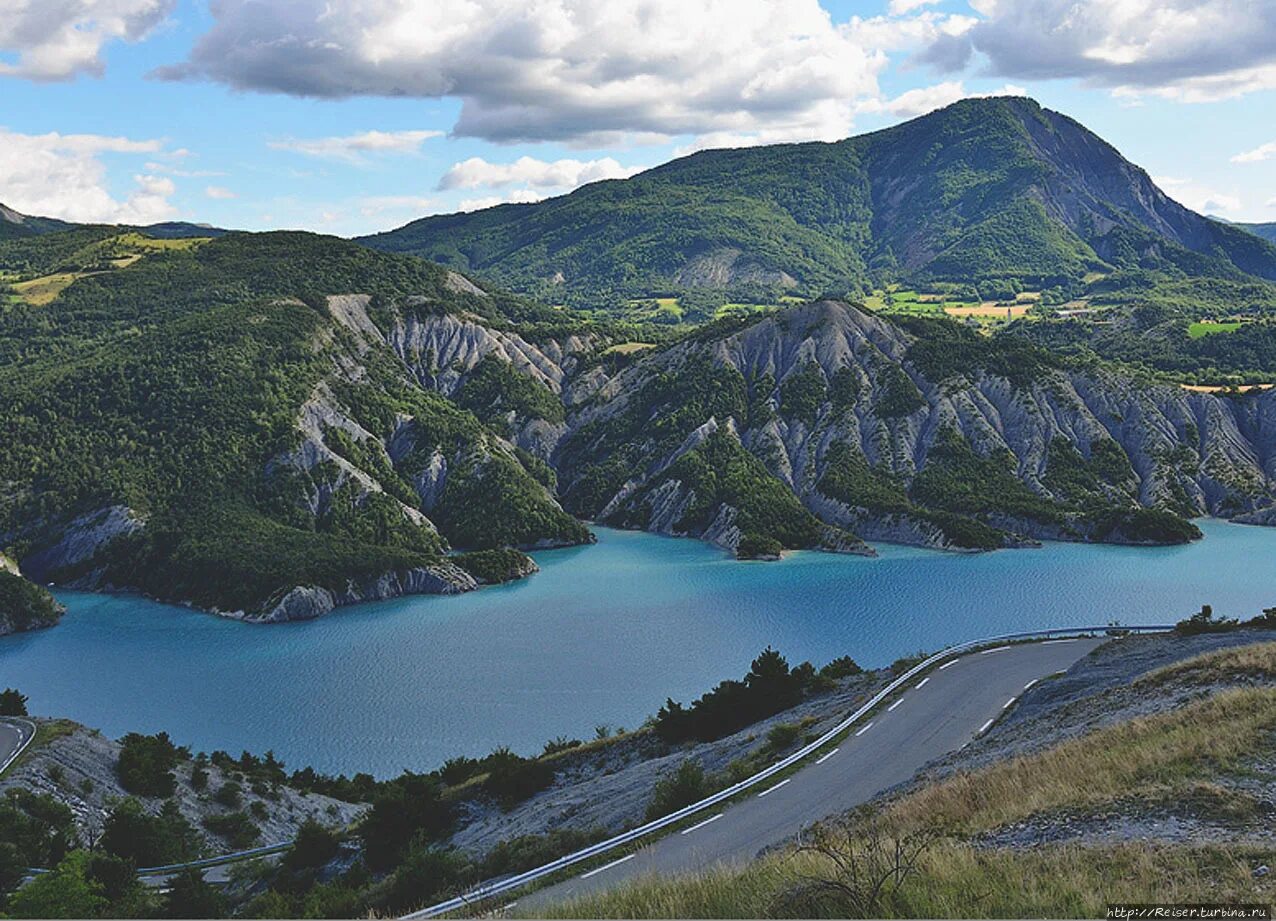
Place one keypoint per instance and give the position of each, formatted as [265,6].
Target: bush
[236,827]
[1204,621]
[684,786]
[148,841]
[407,808]
[189,896]
[229,794]
[512,779]
[769,687]
[13,702]
[314,846]
[146,763]
[782,735]
[841,667]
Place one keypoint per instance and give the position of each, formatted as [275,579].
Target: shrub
[406,808]
[129,832]
[512,779]
[682,787]
[13,702]
[146,763]
[1204,621]
[314,846]
[769,687]
[841,667]
[782,735]
[236,827]
[229,794]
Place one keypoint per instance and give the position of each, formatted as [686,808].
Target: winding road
[14,736]
[936,715]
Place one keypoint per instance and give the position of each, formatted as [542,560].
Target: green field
[1201,329]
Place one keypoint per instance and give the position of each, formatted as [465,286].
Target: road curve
[933,717]
[15,735]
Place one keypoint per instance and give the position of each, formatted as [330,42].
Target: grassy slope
[1172,756]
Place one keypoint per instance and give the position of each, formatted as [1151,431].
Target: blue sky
[350,116]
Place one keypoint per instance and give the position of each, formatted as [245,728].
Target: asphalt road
[12,737]
[937,715]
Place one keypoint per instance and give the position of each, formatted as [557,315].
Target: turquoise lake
[601,635]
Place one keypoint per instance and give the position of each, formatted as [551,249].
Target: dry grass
[1146,756]
[989,309]
[1219,388]
[1167,758]
[628,348]
[954,880]
[1254,661]
[38,292]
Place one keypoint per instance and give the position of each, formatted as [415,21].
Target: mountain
[1266,231]
[258,423]
[14,224]
[981,192]
[917,431]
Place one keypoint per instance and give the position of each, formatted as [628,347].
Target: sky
[353,116]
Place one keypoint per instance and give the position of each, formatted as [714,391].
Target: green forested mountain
[1266,231]
[201,419]
[984,191]
[272,425]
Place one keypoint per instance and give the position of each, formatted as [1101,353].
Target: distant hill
[984,190]
[1266,231]
[14,225]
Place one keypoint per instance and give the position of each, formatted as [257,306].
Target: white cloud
[900,7]
[477,173]
[569,70]
[374,205]
[353,148]
[63,176]
[1199,198]
[58,39]
[1184,50]
[925,99]
[514,196]
[221,193]
[1257,155]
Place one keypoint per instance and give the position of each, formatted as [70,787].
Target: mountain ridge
[982,189]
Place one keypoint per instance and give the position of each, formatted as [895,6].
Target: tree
[314,846]
[145,839]
[13,702]
[190,896]
[683,787]
[408,808]
[64,892]
[146,763]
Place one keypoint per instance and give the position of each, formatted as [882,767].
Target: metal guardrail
[262,851]
[517,881]
[30,727]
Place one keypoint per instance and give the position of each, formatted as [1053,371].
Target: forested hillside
[986,192]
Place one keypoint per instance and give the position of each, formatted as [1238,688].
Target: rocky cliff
[904,435]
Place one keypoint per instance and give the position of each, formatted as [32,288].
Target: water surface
[602,635]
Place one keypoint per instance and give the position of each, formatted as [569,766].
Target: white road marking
[776,787]
[946,664]
[1031,683]
[608,866]
[1053,642]
[823,758]
[987,652]
[894,705]
[1006,705]
[864,730]
[984,728]
[922,682]
[687,831]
